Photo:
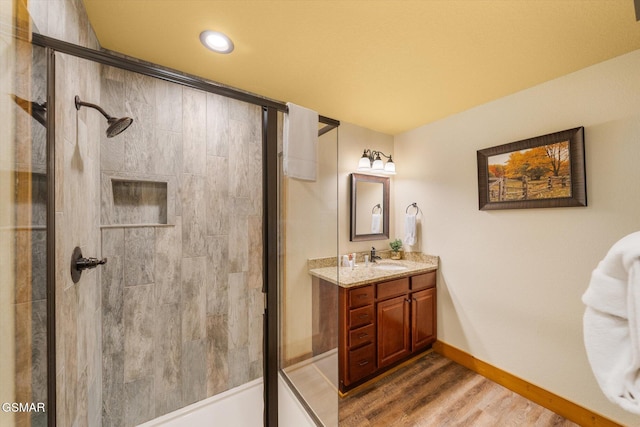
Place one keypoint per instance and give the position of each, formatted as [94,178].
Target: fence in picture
[505,189]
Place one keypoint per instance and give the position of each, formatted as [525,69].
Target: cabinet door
[423,318]
[393,330]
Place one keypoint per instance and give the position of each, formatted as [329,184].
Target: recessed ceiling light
[216,41]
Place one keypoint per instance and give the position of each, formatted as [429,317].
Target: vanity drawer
[361,362]
[360,316]
[361,336]
[360,296]
[422,281]
[393,288]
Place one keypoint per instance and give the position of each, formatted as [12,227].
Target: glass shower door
[172,323]
[23,226]
[308,305]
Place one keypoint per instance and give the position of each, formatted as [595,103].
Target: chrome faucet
[373,255]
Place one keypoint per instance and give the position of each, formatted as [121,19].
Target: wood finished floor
[436,392]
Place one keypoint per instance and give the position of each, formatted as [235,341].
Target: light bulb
[216,41]
[390,167]
[364,164]
[378,165]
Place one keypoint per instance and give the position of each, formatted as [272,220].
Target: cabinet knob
[364,362]
[363,335]
[363,316]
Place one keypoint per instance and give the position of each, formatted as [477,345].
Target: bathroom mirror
[369,207]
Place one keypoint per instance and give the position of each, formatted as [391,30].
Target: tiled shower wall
[78,312]
[77,208]
[181,301]
[175,314]
[29,237]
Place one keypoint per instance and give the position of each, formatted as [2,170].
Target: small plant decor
[396,245]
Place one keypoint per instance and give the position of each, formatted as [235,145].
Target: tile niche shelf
[135,201]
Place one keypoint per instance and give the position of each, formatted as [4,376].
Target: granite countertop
[347,277]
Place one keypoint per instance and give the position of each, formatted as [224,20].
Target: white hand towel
[300,143]
[376,223]
[612,323]
[410,229]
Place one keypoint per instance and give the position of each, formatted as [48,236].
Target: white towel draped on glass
[612,323]
[300,143]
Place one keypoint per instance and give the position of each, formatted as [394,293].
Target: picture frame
[546,171]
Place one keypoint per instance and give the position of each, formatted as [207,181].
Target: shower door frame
[270,108]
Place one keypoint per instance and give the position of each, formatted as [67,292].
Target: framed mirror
[369,207]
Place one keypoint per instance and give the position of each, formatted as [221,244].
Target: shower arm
[80,103]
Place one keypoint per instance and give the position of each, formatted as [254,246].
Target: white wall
[309,231]
[510,281]
[317,215]
[352,142]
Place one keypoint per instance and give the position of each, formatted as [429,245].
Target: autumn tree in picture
[537,173]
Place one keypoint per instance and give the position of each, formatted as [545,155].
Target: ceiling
[387,65]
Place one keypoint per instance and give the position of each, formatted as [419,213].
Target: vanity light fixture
[216,41]
[371,162]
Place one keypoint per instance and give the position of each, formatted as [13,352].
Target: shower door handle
[79,264]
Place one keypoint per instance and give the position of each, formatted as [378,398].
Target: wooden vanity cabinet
[356,341]
[392,321]
[382,324]
[423,318]
[423,310]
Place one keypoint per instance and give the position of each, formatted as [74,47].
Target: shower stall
[147,253]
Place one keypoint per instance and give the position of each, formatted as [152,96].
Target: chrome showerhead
[116,125]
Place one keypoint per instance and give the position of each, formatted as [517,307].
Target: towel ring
[373,210]
[415,205]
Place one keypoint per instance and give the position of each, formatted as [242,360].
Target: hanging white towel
[376,223]
[612,323]
[409,229]
[300,143]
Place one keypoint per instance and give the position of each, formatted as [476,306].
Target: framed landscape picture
[543,172]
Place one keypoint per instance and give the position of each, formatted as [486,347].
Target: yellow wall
[510,281]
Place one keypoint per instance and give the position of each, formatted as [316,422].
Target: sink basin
[390,267]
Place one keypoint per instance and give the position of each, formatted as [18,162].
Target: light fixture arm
[372,154]
[380,153]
